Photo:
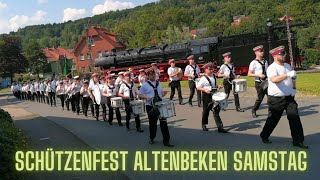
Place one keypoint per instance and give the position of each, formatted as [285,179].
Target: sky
[16,14]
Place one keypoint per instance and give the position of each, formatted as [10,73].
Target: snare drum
[221,98]
[239,85]
[166,109]
[137,106]
[116,102]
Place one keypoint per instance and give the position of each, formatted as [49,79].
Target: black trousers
[38,96]
[175,85]
[62,99]
[104,111]
[76,102]
[118,114]
[42,97]
[128,110]
[23,95]
[47,97]
[68,101]
[85,105]
[52,97]
[276,107]
[34,96]
[153,120]
[207,107]
[260,96]
[192,86]
[227,89]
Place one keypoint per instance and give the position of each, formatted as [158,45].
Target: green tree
[36,57]
[11,57]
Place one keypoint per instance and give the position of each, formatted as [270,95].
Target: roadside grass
[5,90]
[307,83]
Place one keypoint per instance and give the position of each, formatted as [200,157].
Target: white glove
[292,74]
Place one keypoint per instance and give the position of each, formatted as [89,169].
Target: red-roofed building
[60,59]
[94,44]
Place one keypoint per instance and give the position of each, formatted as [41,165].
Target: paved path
[186,134]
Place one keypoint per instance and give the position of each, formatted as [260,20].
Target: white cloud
[110,5]
[42,1]
[73,14]
[3,6]
[19,21]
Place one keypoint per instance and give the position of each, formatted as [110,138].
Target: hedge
[11,140]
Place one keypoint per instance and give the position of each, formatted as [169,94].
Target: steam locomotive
[205,50]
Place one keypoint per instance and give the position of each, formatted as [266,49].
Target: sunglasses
[282,53]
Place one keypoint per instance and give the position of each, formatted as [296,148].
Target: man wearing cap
[128,91]
[119,79]
[94,91]
[61,91]
[110,90]
[258,70]
[156,70]
[75,88]
[85,97]
[152,92]
[192,71]
[131,73]
[281,92]
[142,77]
[227,72]
[208,85]
[173,73]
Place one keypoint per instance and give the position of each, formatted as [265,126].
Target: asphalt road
[186,134]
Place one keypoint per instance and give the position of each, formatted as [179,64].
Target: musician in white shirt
[61,92]
[85,97]
[227,72]
[208,85]
[119,79]
[110,90]
[173,73]
[192,71]
[75,88]
[128,91]
[51,89]
[142,77]
[94,92]
[156,70]
[258,69]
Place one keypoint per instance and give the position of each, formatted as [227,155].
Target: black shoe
[120,124]
[265,140]
[110,123]
[240,110]
[128,129]
[300,145]
[140,130]
[254,114]
[168,144]
[151,141]
[205,128]
[92,115]
[221,130]
[180,102]
[104,119]
[190,104]
[223,109]
[85,115]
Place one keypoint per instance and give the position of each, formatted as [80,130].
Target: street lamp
[270,36]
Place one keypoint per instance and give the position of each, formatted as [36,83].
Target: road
[62,127]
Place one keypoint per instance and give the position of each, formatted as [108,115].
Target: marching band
[276,80]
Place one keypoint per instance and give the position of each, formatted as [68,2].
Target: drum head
[239,80]
[218,96]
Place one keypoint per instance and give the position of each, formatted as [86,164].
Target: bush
[312,57]
[11,140]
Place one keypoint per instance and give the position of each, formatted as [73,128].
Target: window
[83,69]
[99,54]
[204,49]
[81,57]
[88,55]
[196,50]
[90,69]
[106,53]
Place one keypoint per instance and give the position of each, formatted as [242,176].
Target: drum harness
[155,110]
[264,82]
[213,90]
[194,72]
[231,75]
